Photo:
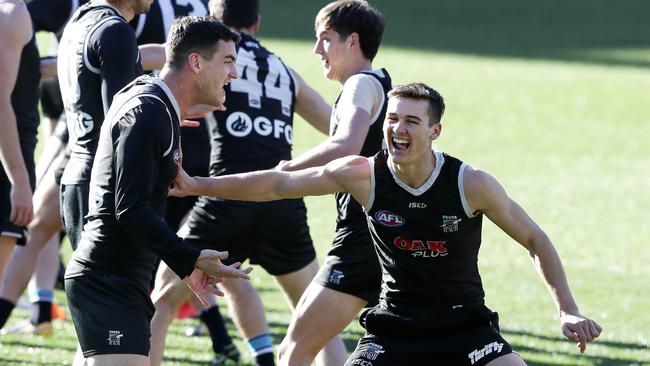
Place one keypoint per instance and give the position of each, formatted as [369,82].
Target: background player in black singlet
[348,35]
[19,67]
[108,278]
[255,132]
[424,211]
[98,55]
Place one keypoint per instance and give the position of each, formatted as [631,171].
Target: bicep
[118,56]
[487,195]
[12,41]
[352,128]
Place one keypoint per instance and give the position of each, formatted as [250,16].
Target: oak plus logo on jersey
[240,124]
[389,219]
[422,248]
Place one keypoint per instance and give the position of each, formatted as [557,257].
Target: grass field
[552,99]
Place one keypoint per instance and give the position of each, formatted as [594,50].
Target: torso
[426,239]
[81,89]
[255,132]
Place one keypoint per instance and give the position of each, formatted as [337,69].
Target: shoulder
[481,189]
[115,28]
[362,82]
[15,24]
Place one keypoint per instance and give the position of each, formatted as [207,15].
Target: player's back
[255,132]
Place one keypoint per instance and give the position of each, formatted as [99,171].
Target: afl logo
[389,219]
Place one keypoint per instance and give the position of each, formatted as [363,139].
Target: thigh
[321,314]
[169,287]
[352,267]
[284,244]
[110,315]
[118,360]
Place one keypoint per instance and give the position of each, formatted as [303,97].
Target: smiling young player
[425,211]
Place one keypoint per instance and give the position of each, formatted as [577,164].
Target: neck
[417,172]
[362,65]
[247,31]
[178,84]
[122,7]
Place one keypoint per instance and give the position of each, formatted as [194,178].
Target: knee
[291,352]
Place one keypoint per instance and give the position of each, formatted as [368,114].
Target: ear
[257,24]
[353,39]
[194,62]
[437,128]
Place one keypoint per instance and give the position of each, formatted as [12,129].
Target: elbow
[538,242]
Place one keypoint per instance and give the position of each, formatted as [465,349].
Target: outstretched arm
[486,195]
[349,174]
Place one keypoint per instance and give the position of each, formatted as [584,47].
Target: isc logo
[239,124]
[389,219]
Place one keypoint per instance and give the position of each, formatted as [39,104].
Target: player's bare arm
[485,194]
[311,106]
[349,174]
[152,56]
[15,33]
[348,140]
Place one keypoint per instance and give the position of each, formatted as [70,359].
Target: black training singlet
[24,97]
[426,239]
[349,213]
[255,132]
[98,56]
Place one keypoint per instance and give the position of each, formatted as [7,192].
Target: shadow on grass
[591,31]
[45,345]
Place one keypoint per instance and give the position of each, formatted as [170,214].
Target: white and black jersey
[349,212]
[139,148]
[153,26]
[255,132]
[426,238]
[98,56]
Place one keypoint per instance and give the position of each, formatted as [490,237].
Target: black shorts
[110,313]
[50,96]
[74,208]
[274,235]
[352,266]
[7,228]
[473,341]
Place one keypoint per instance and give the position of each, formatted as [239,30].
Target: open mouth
[400,144]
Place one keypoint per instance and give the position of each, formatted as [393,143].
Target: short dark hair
[354,16]
[193,34]
[235,13]
[420,91]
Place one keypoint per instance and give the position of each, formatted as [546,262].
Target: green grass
[553,100]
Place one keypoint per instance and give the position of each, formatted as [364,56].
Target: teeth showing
[398,140]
